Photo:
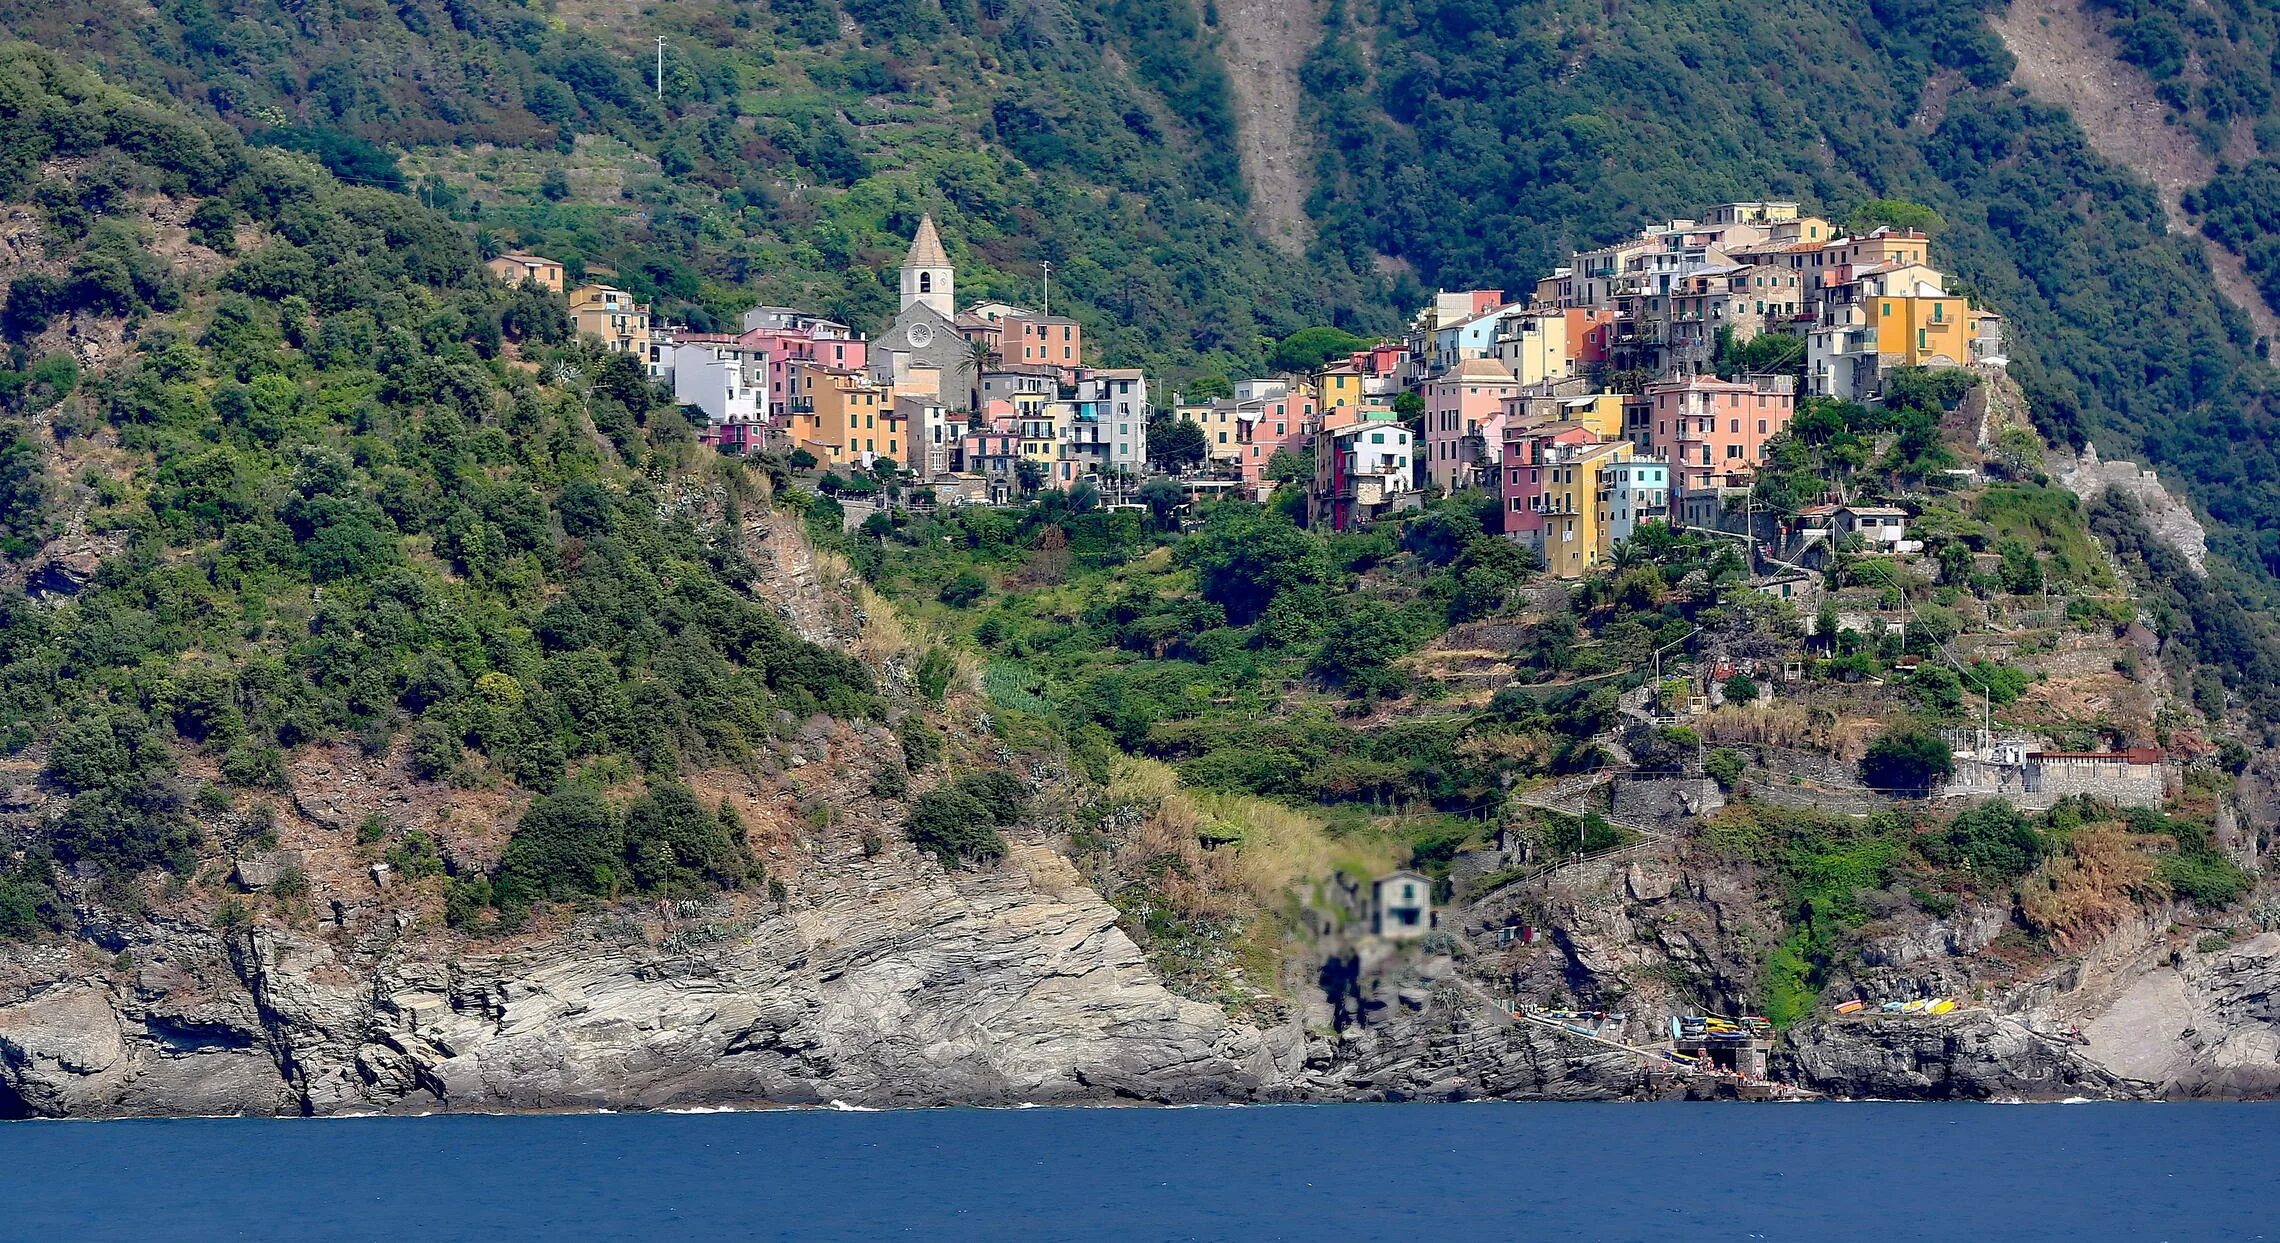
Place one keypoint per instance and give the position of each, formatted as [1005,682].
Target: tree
[1209,385]
[1876,214]
[1288,467]
[1244,558]
[1030,475]
[1741,690]
[1163,499]
[1765,353]
[1908,762]
[675,846]
[1308,348]
[963,590]
[1175,443]
[801,459]
[567,844]
[1360,652]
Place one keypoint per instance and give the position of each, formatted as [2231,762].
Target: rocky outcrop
[893,984]
[2153,1005]
[2167,515]
[1408,1026]
[1967,1055]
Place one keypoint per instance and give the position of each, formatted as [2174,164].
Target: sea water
[1322,1174]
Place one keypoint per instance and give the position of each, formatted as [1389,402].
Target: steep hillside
[401,713]
[795,144]
[791,150]
[1481,151]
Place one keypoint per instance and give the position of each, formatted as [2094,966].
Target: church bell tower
[926,272]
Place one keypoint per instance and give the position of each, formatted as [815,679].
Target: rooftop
[926,247]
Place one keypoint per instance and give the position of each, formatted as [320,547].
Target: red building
[1526,470]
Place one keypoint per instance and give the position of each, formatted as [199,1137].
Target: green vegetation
[2075,871]
[959,821]
[793,149]
[2241,209]
[345,517]
[1481,150]
[1907,763]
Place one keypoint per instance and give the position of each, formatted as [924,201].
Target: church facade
[924,335]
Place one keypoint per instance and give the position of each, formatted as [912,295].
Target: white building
[1630,493]
[1882,528]
[1401,905]
[726,380]
[1116,401]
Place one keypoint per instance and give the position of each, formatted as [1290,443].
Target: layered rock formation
[893,984]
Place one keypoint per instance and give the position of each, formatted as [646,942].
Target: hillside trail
[2064,59]
[1267,42]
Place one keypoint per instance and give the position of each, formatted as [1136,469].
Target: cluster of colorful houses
[1588,406]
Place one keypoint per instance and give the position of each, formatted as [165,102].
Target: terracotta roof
[2135,755]
[1482,369]
[926,248]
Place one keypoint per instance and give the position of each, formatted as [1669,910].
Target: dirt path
[2065,59]
[1267,41]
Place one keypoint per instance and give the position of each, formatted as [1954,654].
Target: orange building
[515,269]
[843,418]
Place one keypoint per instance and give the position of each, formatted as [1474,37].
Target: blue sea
[1322,1174]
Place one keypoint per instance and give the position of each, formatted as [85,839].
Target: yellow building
[1924,331]
[611,316]
[1602,413]
[1223,435]
[1533,345]
[1042,424]
[843,418]
[1575,541]
[1339,384]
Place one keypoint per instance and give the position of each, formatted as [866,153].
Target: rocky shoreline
[890,983]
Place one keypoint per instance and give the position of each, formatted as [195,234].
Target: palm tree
[980,357]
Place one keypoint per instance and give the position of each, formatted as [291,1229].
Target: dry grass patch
[2091,889]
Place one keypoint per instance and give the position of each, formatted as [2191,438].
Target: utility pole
[661,69]
[1048,286]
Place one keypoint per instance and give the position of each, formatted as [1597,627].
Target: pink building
[816,341]
[1464,421]
[1525,473]
[1282,420]
[1710,430]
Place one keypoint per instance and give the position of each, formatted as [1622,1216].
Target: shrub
[2207,879]
[922,743]
[963,590]
[934,673]
[1996,841]
[1724,766]
[1001,794]
[674,845]
[29,904]
[566,845]
[956,827]
[415,857]
[1907,762]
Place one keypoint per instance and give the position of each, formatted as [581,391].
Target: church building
[924,338]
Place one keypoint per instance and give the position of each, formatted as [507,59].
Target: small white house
[1401,905]
[1881,527]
